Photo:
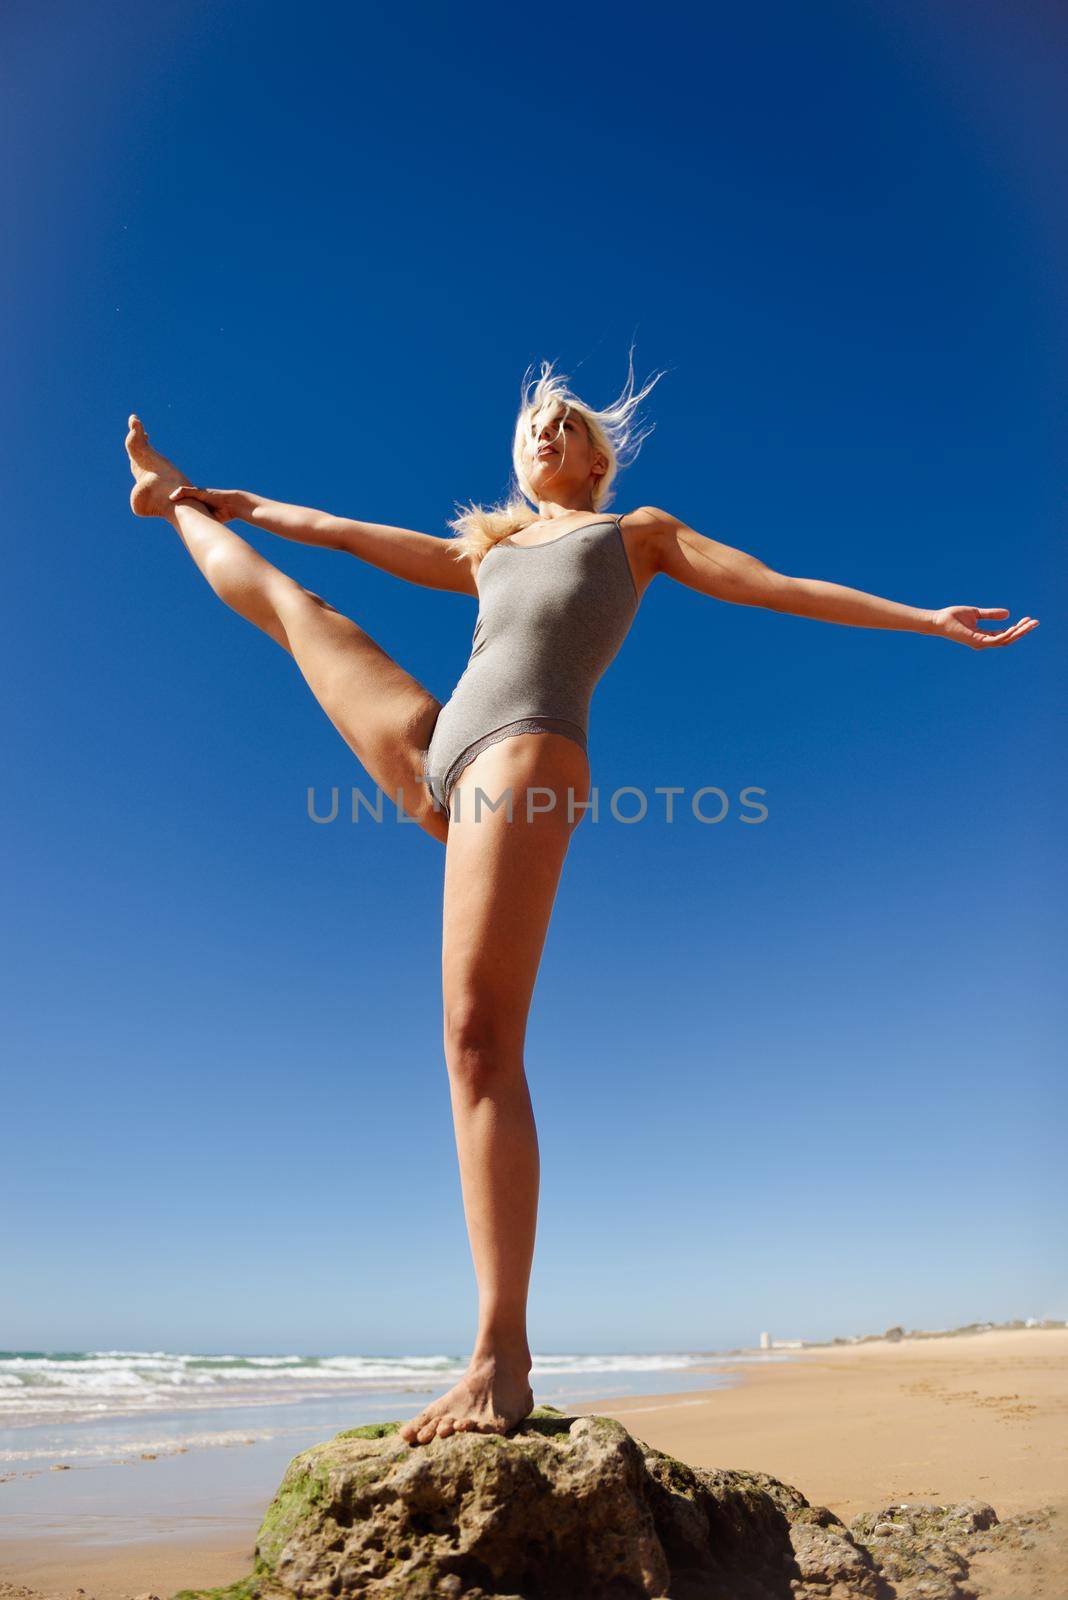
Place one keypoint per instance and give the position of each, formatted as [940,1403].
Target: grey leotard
[551,616]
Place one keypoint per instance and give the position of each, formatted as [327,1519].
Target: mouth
[543,454]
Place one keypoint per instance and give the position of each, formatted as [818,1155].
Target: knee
[303,596]
[479,1049]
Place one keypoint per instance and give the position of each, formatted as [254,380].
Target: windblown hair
[614,432]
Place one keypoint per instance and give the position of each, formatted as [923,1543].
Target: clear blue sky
[803,1076]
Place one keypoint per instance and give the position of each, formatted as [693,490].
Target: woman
[513,733]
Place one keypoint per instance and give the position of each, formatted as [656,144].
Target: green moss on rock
[677,1475]
[304,1488]
[246,1589]
[369,1430]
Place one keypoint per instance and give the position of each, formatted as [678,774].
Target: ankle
[506,1354]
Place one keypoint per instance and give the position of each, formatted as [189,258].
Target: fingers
[1025,625]
[208,498]
[205,498]
[989,611]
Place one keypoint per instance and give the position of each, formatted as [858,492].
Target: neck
[548,510]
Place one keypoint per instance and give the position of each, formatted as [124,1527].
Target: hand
[225,505]
[961,623]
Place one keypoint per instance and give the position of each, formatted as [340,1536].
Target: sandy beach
[976,1416]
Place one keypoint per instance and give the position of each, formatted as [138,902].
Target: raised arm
[727,574]
[420,558]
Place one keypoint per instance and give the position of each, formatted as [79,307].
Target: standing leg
[501,879]
[384,715]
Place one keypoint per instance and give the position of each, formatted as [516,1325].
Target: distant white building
[765,1341]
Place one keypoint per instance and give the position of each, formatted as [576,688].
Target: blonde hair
[613,432]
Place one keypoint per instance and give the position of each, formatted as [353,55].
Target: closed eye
[567,424]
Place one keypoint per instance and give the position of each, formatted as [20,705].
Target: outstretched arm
[417,557]
[728,574]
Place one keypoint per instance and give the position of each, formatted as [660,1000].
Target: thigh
[501,878]
[383,713]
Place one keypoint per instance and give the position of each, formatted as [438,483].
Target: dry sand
[973,1416]
[978,1416]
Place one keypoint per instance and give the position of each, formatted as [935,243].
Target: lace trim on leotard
[571,730]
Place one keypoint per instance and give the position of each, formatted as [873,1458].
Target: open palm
[962,624]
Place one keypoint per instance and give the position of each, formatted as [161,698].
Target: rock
[894,1334]
[59,1466]
[577,1508]
[563,1508]
[925,1550]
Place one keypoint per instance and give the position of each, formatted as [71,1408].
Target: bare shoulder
[647,530]
[649,517]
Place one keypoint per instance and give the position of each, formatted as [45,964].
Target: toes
[136,440]
[427,1432]
[445,1427]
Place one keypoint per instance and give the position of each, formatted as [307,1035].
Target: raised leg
[384,715]
[501,879]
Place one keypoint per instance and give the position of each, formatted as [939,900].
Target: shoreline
[853,1426]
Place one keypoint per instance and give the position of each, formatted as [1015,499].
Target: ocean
[81,1406]
[105,1447]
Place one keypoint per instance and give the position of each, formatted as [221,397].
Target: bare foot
[154,475]
[490,1398]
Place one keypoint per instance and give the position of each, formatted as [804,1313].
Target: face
[560,461]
